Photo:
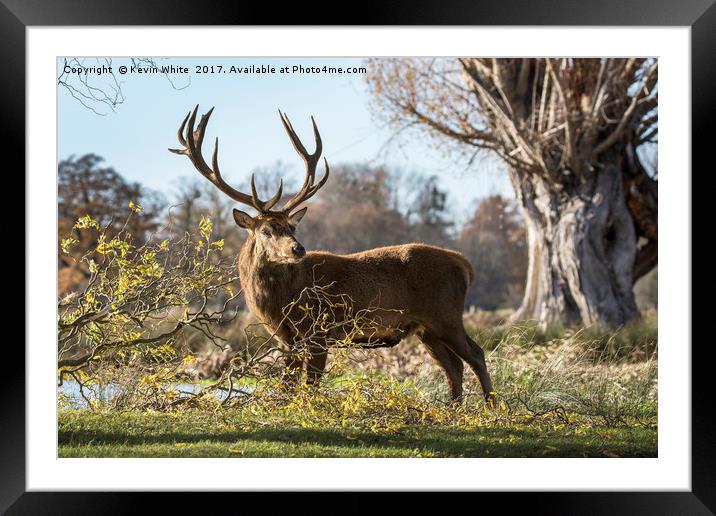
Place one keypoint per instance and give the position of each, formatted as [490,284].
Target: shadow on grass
[478,442]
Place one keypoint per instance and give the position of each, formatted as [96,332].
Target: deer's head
[272,231]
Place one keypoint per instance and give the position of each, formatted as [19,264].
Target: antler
[192,139]
[308,188]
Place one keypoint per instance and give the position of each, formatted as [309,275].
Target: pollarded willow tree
[571,132]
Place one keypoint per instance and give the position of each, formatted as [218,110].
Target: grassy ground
[563,393]
[83,433]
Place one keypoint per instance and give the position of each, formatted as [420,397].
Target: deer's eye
[266,232]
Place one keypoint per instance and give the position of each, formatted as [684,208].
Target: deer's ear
[244,220]
[296,217]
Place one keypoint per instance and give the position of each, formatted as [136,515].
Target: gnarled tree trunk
[582,250]
[568,130]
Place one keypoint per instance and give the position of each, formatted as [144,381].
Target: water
[70,390]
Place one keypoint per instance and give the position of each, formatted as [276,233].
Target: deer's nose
[298,251]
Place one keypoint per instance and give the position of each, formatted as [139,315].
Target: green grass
[194,433]
[561,393]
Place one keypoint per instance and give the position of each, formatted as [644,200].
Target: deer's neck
[268,286]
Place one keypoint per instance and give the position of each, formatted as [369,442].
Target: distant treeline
[359,208]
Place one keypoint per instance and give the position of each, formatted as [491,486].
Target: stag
[419,289]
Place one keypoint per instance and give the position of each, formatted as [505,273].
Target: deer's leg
[316,363]
[480,368]
[449,361]
[470,352]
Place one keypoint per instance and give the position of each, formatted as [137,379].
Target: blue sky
[134,139]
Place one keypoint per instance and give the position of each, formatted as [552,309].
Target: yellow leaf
[68,243]
[205,227]
[86,222]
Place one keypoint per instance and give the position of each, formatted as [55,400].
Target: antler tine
[277,197]
[180,133]
[308,189]
[294,137]
[314,188]
[199,133]
[319,142]
[265,205]
[191,139]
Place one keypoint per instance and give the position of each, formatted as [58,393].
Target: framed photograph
[415,254]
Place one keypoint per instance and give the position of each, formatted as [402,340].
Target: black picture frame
[17,15]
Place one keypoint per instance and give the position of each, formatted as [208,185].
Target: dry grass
[573,377]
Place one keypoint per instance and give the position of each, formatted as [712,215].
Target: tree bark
[582,248]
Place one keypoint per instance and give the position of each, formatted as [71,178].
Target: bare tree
[102,91]
[185,212]
[494,241]
[428,211]
[573,133]
[355,212]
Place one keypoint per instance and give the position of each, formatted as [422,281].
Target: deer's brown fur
[407,289]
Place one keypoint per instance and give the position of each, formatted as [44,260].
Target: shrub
[127,326]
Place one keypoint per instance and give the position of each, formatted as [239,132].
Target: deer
[419,288]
